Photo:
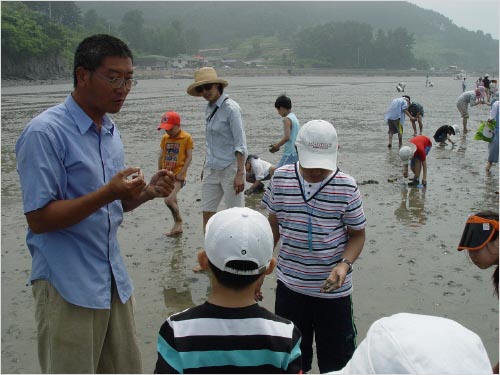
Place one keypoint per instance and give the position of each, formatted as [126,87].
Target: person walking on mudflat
[176,154]
[75,188]
[223,174]
[291,127]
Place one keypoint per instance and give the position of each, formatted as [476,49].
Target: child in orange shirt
[176,155]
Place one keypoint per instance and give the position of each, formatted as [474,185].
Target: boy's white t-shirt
[260,168]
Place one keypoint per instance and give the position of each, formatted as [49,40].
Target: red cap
[169,120]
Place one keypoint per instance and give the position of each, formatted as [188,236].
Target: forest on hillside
[341,34]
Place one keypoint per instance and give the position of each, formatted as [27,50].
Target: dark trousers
[329,321]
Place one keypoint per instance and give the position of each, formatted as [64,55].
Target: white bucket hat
[418,344]
[239,233]
[407,151]
[203,76]
[317,145]
[456,129]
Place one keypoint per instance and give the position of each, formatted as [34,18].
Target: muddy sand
[409,262]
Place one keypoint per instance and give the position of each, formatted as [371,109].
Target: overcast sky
[472,14]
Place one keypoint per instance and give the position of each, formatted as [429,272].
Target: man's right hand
[123,188]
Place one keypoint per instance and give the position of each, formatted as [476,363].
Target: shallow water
[409,262]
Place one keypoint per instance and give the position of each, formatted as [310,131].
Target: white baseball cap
[317,145]
[418,344]
[239,233]
[407,151]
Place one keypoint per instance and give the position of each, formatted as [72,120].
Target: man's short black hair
[283,101]
[232,281]
[406,96]
[93,50]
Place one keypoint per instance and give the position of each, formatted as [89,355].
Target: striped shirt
[215,339]
[305,260]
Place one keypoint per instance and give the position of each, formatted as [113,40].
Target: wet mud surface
[409,262]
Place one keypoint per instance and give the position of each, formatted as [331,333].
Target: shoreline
[142,73]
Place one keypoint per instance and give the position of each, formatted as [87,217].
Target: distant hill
[438,40]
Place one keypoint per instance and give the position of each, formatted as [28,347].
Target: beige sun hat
[203,76]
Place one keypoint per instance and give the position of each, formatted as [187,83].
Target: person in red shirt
[415,153]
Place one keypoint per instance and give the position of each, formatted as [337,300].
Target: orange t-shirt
[173,151]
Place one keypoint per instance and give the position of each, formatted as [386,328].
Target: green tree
[192,38]
[65,13]
[22,36]
[93,24]
[352,44]
[132,29]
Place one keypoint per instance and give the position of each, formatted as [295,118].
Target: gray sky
[471,14]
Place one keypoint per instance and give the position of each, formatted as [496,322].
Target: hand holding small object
[329,286]
[273,148]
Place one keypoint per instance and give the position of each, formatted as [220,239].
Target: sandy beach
[409,262]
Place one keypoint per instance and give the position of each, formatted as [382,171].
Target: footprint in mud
[453,284]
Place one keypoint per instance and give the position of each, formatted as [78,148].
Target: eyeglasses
[118,83]
[477,233]
[205,87]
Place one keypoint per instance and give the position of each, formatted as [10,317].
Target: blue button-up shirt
[397,110]
[60,155]
[225,134]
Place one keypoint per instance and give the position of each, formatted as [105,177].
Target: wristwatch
[348,262]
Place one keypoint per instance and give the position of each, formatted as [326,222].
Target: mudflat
[409,262]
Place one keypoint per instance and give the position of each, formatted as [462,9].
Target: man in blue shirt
[75,188]
[223,172]
[395,117]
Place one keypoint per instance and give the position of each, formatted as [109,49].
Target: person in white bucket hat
[231,333]
[414,153]
[223,173]
[317,211]
[418,344]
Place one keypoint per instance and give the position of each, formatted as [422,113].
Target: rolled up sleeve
[236,124]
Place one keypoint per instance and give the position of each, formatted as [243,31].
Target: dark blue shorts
[329,321]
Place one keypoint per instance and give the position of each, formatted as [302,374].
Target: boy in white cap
[419,344]
[176,153]
[231,333]
[316,209]
[415,153]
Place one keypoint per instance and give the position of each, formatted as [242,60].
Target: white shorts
[463,108]
[219,183]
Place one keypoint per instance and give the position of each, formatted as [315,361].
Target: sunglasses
[477,233]
[205,87]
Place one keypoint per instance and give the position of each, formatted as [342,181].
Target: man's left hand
[161,184]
